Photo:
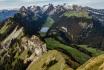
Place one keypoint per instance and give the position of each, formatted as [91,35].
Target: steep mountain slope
[97,14]
[72,23]
[78,27]
[17,49]
[53,60]
[74,51]
[95,63]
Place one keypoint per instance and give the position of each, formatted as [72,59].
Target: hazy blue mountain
[4,14]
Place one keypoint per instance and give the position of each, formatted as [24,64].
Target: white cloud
[28,0]
[17,3]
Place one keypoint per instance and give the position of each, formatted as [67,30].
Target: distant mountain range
[52,11]
[5,14]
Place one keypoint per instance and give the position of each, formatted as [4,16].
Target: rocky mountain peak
[23,9]
[49,9]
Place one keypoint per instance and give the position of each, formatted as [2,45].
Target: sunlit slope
[10,30]
[53,60]
[77,14]
[95,63]
[93,51]
[80,54]
[18,50]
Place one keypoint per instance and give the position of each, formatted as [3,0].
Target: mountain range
[62,37]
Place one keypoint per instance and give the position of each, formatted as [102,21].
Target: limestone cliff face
[35,46]
[73,28]
[21,52]
[18,50]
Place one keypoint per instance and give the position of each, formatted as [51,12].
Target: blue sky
[10,4]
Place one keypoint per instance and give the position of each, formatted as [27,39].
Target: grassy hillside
[94,51]
[48,22]
[75,52]
[77,14]
[95,63]
[77,55]
[53,60]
